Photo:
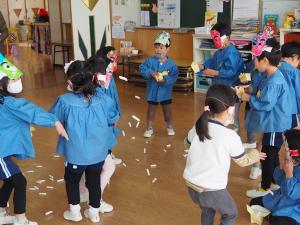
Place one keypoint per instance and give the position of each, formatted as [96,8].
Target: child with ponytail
[212,146]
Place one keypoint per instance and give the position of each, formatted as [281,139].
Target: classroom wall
[142,39]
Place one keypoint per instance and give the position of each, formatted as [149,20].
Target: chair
[64,46]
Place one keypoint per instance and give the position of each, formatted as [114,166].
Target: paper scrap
[42,193]
[185,155]
[36,188]
[145,150]
[154,180]
[123,78]
[60,180]
[168,146]
[39,166]
[137,124]
[50,187]
[123,133]
[124,165]
[165,150]
[48,213]
[40,181]
[56,156]
[129,124]
[148,172]
[153,166]
[32,189]
[137,160]
[132,138]
[137,97]
[30,171]
[136,118]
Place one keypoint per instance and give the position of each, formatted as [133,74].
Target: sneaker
[255,172]
[258,192]
[105,207]
[148,133]
[93,215]
[24,222]
[116,160]
[170,131]
[249,145]
[84,197]
[73,214]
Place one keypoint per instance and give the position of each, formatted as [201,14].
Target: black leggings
[92,183]
[268,165]
[17,183]
[274,220]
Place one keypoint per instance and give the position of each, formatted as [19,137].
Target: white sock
[75,208]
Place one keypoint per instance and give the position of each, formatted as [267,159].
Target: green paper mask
[7,69]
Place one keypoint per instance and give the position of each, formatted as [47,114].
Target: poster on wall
[149,13]
[118,31]
[168,13]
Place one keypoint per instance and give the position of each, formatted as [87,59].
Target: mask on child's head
[218,40]
[7,69]
[15,87]
[163,38]
[230,116]
[112,56]
[69,86]
[259,43]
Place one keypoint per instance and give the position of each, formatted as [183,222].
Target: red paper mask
[259,43]
[218,40]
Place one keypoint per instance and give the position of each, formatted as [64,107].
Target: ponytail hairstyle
[218,99]
[102,53]
[82,79]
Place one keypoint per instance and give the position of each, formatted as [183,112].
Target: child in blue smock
[161,74]
[226,64]
[87,116]
[109,54]
[284,203]
[15,140]
[288,66]
[270,113]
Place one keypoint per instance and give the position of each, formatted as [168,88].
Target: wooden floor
[136,200]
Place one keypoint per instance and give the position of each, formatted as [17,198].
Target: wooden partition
[142,39]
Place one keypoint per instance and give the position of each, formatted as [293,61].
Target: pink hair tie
[206,108]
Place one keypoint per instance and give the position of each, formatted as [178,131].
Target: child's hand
[61,130]
[288,168]
[297,128]
[249,89]
[201,67]
[211,73]
[245,97]
[154,75]
[262,156]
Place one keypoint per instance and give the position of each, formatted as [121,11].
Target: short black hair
[293,139]
[274,56]
[222,28]
[96,64]
[290,49]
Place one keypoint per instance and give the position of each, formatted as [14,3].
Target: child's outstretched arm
[248,158]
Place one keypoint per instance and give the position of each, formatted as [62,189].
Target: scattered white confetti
[136,118]
[153,166]
[123,132]
[129,124]
[40,181]
[50,187]
[137,124]
[48,213]
[185,155]
[123,78]
[137,97]
[42,193]
[168,146]
[165,150]
[30,171]
[154,180]
[36,188]
[148,172]
[132,138]
[51,177]
[145,150]
[32,189]
[39,166]
[56,156]
[147,142]
[60,181]
[137,160]
[124,165]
